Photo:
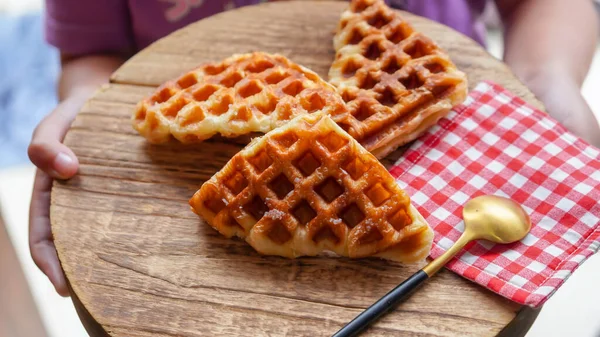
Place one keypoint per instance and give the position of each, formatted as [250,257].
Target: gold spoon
[487,217]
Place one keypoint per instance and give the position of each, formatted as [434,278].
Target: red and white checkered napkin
[496,144]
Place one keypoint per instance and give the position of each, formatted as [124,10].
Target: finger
[46,150]
[41,243]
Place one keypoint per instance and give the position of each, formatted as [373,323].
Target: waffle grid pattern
[396,81]
[308,187]
[245,93]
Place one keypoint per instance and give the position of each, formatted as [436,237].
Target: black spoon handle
[386,303]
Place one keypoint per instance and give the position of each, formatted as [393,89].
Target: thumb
[46,150]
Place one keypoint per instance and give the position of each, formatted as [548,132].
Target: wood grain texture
[140,263]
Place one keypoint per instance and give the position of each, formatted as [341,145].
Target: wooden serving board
[140,263]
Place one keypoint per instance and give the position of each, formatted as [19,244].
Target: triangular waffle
[243,94]
[308,187]
[396,81]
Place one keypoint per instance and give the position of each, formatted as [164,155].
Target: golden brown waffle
[308,187]
[396,81]
[245,93]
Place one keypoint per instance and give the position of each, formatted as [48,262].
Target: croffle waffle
[243,94]
[396,81]
[309,187]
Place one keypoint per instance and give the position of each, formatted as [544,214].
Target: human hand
[532,30]
[54,160]
[80,78]
[564,102]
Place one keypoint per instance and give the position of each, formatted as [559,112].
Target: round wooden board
[140,263]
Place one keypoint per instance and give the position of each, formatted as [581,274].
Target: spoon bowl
[495,219]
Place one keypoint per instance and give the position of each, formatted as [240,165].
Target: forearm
[81,76]
[548,40]
[549,44]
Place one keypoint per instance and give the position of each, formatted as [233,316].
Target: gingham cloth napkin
[497,144]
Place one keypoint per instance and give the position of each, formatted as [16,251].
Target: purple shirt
[91,26]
